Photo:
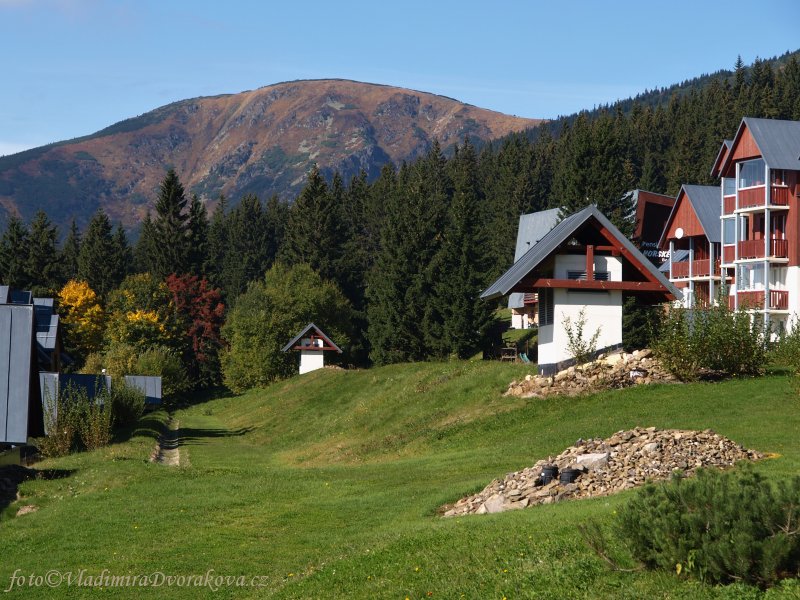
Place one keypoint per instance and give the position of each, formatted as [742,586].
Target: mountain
[262,142]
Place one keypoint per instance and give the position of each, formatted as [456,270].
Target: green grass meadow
[328,486]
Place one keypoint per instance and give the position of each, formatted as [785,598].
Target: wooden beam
[580,284]
[624,251]
[590,262]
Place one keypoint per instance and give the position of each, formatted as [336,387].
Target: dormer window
[751,173]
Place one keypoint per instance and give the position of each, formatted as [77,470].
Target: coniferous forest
[409,251]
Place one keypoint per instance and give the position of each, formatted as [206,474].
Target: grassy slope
[328,485]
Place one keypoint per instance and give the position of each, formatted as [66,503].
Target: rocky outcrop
[625,460]
[613,371]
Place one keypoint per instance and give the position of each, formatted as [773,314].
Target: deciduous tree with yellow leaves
[82,317]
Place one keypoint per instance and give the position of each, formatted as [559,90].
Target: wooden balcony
[752,197]
[778,300]
[780,195]
[529,299]
[729,204]
[755,249]
[729,254]
[700,268]
[756,198]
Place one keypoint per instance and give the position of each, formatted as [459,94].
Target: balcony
[700,268]
[778,300]
[755,249]
[529,299]
[729,254]
[755,198]
[751,197]
[729,204]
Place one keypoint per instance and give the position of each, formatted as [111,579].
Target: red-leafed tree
[201,311]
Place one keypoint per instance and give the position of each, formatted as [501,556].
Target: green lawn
[327,485]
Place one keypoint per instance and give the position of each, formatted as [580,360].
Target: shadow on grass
[12,475]
[150,425]
[189,434]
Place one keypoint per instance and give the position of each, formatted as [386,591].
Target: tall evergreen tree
[121,260]
[43,264]
[217,242]
[146,249]
[97,263]
[14,254]
[170,226]
[457,320]
[197,229]
[245,258]
[69,253]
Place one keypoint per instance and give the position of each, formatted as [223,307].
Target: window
[750,277]
[581,275]
[546,308]
[729,186]
[751,173]
[728,231]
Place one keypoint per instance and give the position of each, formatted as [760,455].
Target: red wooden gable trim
[631,258]
[586,284]
[683,216]
[744,147]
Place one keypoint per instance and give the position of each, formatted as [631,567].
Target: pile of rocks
[614,371]
[627,459]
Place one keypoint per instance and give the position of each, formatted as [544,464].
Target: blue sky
[71,67]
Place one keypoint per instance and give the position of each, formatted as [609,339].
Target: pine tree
[13,254]
[197,228]
[146,249]
[42,264]
[69,253]
[121,260]
[314,233]
[245,258]
[217,242]
[170,225]
[457,320]
[96,263]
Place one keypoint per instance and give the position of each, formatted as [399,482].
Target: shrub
[95,421]
[127,404]
[716,340]
[719,527]
[61,419]
[164,362]
[580,348]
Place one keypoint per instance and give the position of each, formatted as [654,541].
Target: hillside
[262,142]
[328,485]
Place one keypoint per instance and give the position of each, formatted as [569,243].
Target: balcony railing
[529,299]
[755,248]
[752,197]
[756,197]
[729,254]
[780,195]
[700,268]
[778,300]
[729,204]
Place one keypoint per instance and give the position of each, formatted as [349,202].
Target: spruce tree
[217,242]
[457,320]
[245,258]
[171,225]
[197,228]
[121,260]
[14,253]
[43,263]
[69,253]
[97,263]
[146,249]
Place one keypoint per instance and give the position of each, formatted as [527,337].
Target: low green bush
[127,403]
[721,527]
[712,341]
[95,420]
[61,420]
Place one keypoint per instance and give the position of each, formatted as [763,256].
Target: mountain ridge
[260,141]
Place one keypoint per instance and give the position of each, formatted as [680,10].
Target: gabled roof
[721,156]
[560,234]
[20,403]
[318,331]
[706,204]
[532,228]
[777,140]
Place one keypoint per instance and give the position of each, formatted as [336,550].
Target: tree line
[411,250]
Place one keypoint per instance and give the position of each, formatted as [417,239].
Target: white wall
[311,360]
[602,309]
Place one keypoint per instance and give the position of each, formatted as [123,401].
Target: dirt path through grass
[169,452]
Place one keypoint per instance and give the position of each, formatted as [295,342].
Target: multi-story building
[692,234]
[759,172]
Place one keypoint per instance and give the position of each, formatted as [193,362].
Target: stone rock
[593,461]
[27,509]
[623,461]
